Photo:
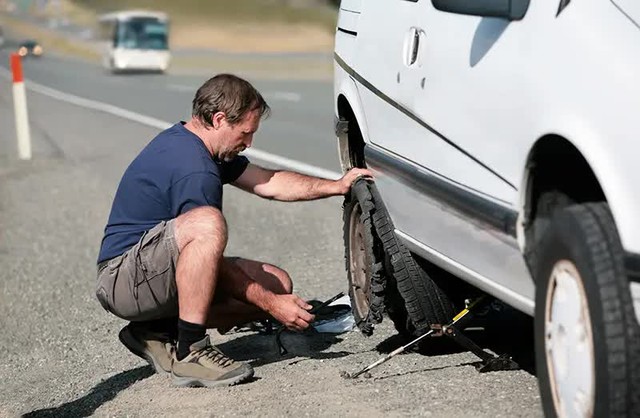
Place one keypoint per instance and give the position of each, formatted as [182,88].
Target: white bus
[135,40]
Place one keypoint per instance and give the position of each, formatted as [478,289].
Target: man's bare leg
[201,237]
[227,311]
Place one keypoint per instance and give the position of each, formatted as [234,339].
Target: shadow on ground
[506,332]
[136,72]
[260,348]
[100,394]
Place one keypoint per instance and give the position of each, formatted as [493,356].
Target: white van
[502,135]
[135,40]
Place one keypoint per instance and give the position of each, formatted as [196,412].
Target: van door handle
[412,46]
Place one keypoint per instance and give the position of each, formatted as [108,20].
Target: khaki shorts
[140,285]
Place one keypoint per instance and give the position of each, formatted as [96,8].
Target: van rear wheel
[587,335]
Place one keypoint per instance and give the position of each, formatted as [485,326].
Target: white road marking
[267,157]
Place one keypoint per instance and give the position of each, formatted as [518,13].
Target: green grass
[313,12]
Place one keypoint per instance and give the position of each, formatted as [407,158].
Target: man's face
[235,138]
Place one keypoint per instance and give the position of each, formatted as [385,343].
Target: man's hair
[227,93]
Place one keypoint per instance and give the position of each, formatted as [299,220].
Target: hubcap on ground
[359,263]
[569,343]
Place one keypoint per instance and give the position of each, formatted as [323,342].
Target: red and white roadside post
[20,109]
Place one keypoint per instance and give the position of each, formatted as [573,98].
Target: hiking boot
[207,366]
[154,347]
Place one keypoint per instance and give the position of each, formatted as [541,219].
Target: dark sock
[188,333]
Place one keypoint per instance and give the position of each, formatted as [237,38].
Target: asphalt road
[60,354]
[300,126]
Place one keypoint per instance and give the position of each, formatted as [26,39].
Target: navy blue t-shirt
[173,174]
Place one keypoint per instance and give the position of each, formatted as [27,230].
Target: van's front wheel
[587,336]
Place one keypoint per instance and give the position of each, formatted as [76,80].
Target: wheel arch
[353,135]
[554,162]
[554,165]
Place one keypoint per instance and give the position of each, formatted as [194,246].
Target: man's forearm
[290,186]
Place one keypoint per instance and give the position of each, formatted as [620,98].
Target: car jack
[489,361]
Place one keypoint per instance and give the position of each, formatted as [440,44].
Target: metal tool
[489,361]
[281,348]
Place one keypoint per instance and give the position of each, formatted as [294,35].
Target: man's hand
[350,176]
[291,311]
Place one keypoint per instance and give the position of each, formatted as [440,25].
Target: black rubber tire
[368,300]
[425,301]
[413,301]
[396,310]
[586,236]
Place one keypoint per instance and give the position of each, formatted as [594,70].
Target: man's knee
[204,223]
[287,283]
[283,277]
[271,277]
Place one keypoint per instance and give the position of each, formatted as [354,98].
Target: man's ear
[217,118]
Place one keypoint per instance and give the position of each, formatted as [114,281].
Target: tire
[363,259]
[112,66]
[586,333]
[425,302]
[397,285]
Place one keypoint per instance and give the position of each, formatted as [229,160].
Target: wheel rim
[359,263]
[569,343]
